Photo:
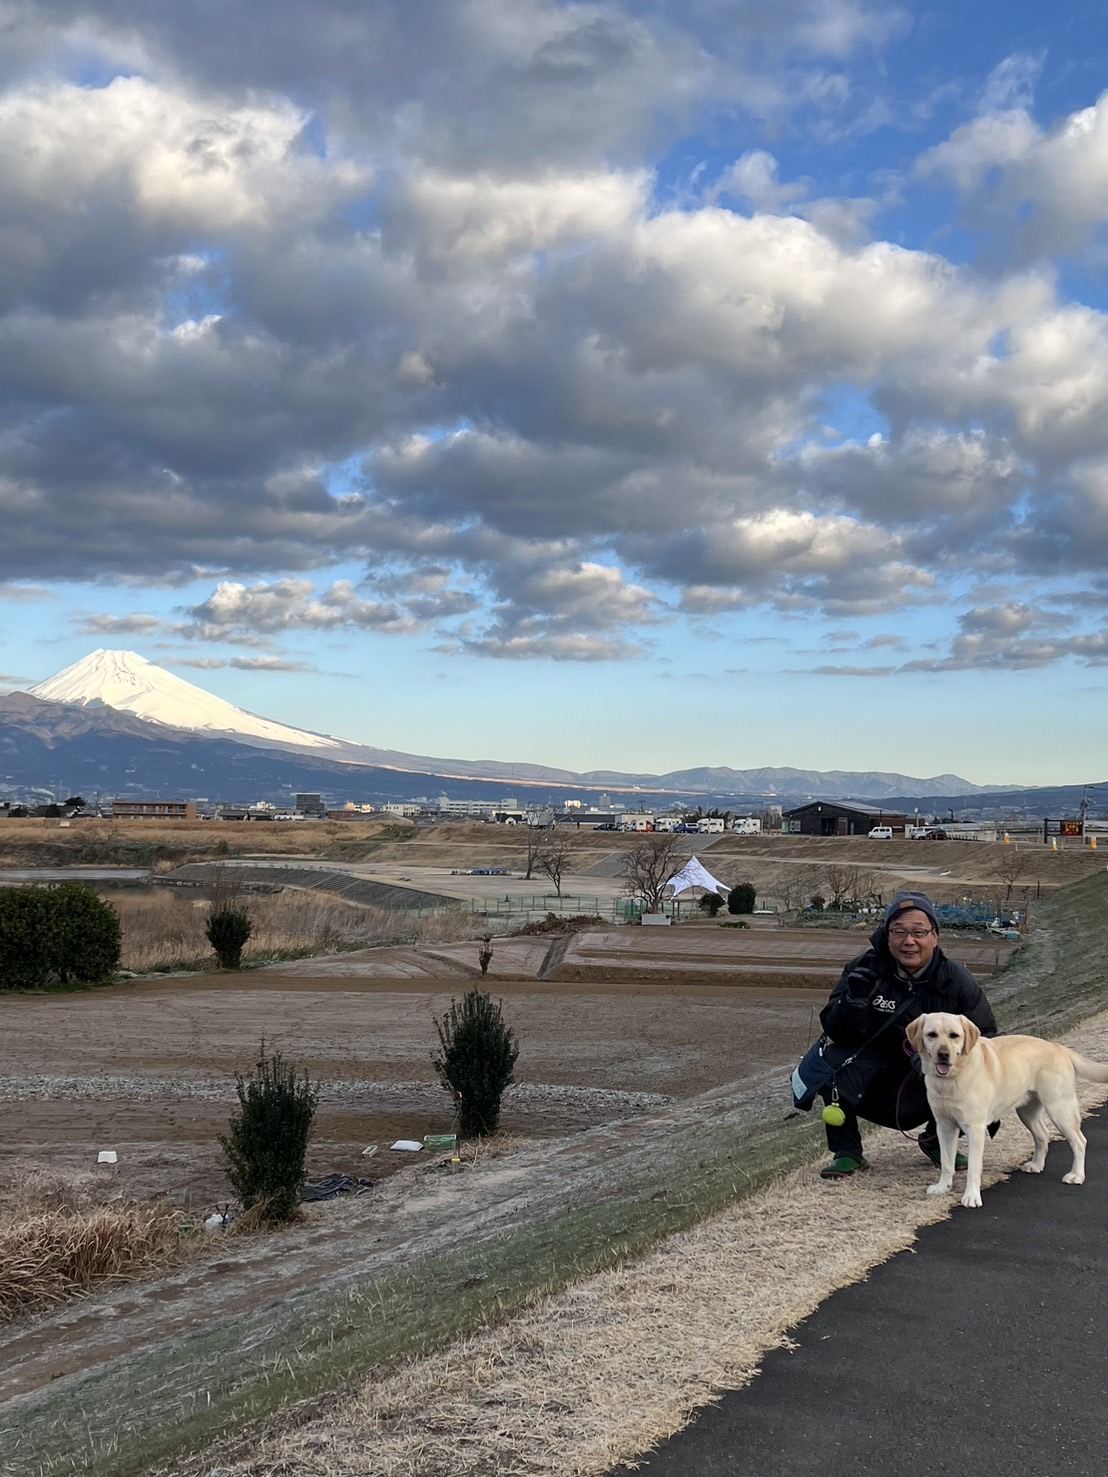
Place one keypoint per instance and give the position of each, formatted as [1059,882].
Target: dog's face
[942,1040]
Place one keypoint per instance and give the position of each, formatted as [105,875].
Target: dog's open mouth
[942,1068]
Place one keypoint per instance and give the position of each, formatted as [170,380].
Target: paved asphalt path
[981,1352]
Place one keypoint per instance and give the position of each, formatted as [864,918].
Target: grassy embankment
[124,1420]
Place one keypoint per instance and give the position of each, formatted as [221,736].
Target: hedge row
[56,935]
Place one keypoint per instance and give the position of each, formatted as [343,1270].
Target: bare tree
[793,890]
[534,841]
[648,864]
[537,832]
[851,887]
[1009,865]
[556,853]
[837,886]
[868,888]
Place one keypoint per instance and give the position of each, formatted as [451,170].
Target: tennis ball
[834,1115]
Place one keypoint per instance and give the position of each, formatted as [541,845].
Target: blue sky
[610,385]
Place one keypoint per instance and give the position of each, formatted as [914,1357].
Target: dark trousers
[895,1097]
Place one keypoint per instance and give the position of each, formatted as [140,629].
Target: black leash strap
[865,1045]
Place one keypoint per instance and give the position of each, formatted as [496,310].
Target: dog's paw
[972,1199]
[1031,1167]
[1073,1178]
[938,1189]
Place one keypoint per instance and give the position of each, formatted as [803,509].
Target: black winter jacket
[872,988]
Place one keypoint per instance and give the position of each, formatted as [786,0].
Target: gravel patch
[378,1096]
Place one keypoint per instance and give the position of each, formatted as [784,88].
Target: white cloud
[122,625]
[754,178]
[839,27]
[466,221]
[1011,83]
[929,474]
[166,158]
[290,605]
[1047,188]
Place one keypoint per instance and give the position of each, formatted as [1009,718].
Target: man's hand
[860,983]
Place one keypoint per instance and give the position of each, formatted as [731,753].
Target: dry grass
[31,842]
[165,929]
[63,1235]
[56,1256]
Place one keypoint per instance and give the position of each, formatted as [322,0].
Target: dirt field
[609,1022]
[147,1069]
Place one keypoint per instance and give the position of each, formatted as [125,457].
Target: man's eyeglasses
[910,933]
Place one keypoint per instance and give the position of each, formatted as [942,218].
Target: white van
[881,833]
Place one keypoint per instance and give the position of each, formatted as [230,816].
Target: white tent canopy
[694,875]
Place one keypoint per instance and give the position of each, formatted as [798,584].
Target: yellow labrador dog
[972,1080]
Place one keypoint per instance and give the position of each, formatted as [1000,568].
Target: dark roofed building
[841,818]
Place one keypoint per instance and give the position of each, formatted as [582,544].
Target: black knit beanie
[905,900]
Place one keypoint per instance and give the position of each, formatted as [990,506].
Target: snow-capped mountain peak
[128,682]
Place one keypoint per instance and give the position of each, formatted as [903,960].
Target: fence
[569,905]
[950,915]
[977,914]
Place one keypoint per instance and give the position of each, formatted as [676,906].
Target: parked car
[881,833]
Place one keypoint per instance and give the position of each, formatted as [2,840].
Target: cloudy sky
[635,383]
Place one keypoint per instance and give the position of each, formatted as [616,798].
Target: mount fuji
[127,682]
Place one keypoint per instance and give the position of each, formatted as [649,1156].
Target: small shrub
[228,931]
[87,934]
[710,903]
[265,1150]
[741,898]
[24,938]
[479,1053]
[54,935]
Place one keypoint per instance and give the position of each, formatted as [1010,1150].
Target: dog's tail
[1084,1067]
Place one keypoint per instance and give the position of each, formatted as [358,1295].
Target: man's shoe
[842,1167]
[931,1148]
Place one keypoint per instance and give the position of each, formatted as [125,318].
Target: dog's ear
[914,1032]
[972,1034]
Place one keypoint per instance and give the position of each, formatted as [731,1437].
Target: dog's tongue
[942,1068]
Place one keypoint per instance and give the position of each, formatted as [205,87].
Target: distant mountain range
[117,724]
